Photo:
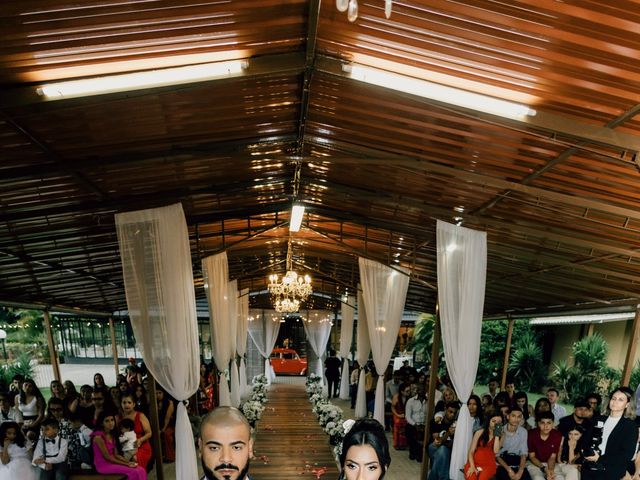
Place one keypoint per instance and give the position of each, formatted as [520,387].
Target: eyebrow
[370,463]
[218,444]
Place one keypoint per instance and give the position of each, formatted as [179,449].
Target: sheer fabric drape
[363,349]
[346,336]
[233,365]
[384,291]
[263,328]
[158,280]
[216,286]
[241,339]
[462,265]
[317,325]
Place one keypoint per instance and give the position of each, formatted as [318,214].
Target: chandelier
[351,7]
[289,292]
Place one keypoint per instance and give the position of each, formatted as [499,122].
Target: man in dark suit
[225,445]
[332,372]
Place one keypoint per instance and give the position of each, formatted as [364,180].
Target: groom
[226,445]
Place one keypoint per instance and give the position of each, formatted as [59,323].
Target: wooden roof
[557,193]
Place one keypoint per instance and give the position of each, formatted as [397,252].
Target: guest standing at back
[332,372]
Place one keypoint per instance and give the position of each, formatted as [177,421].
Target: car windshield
[289,356]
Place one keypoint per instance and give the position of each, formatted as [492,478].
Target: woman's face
[124,386]
[11,434]
[472,405]
[56,388]
[521,403]
[139,392]
[618,402]
[68,386]
[27,387]
[127,404]
[407,391]
[361,463]
[109,423]
[98,380]
[448,395]
[574,435]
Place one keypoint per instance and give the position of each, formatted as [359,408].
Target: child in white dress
[15,454]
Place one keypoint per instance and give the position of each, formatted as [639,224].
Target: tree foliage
[526,362]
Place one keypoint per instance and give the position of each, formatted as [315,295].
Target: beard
[210,474]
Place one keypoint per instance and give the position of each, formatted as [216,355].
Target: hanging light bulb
[352,10]
[342,5]
[387,8]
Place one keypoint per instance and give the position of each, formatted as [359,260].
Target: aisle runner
[290,443]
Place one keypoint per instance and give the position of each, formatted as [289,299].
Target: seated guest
[558,410]
[8,412]
[522,401]
[50,454]
[542,405]
[512,456]
[84,406]
[15,454]
[570,456]
[414,412]
[475,410]
[595,402]
[543,444]
[105,450]
[448,395]
[442,433]
[581,416]
[510,389]
[485,444]
[79,455]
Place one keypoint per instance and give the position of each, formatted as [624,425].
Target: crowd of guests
[512,439]
[100,428]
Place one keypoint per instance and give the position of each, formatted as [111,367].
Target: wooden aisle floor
[290,444]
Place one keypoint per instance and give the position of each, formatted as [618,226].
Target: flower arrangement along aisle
[329,415]
[254,406]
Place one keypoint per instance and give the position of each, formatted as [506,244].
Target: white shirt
[14,415]
[609,424]
[128,440]
[414,411]
[558,412]
[54,452]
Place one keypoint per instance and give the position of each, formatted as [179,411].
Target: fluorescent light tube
[573,319]
[297,212]
[139,80]
[438,92]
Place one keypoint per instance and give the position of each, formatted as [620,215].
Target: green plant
[589,373]
[526,362]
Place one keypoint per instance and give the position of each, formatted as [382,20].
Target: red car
[286,361]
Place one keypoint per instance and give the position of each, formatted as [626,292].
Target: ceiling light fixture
[576,319]
[351,7]
[289,292]
[140,80]
[438,92]
[297,213]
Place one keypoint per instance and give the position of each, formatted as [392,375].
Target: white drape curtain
[363,349]
[216,286]
[384,291]
[462,266]
[346,336]
[241,339]
[158,280]
[317,325]
[263,328]
[233,366]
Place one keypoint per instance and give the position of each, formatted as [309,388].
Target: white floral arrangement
[345,427]
[252,410]
[313,385]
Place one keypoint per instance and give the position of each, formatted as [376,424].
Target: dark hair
[553,389]
[545,416]
[127,423]
[501,399]
[95,385]
[525,409]
[455,404]
[50,422]
[564,453]
[19,435]
[479,412]
[515,409]
[484,436]
[58,402]
[18,376]
[367,431]
[99,425]
[37,393]
[595,395]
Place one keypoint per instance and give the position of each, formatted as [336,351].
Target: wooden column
[507,353]
[55,364]
[631,349]
[433,380]
[155,427]
[590,329]
[114,347]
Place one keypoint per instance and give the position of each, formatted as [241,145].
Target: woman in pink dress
[106,457]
